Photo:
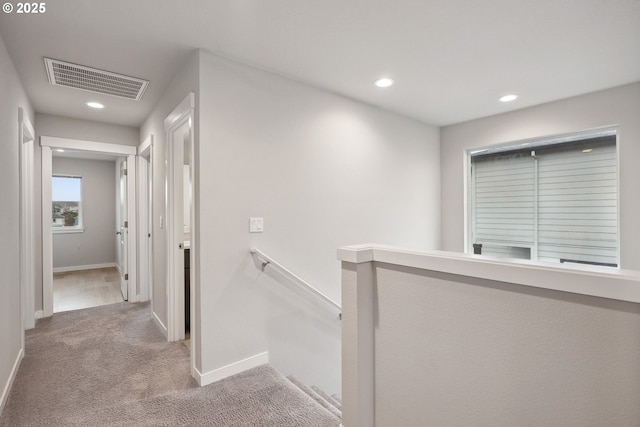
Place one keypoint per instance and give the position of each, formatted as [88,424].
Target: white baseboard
[37,315]
[12,376]
[84,267]
[159,324]
[232,369]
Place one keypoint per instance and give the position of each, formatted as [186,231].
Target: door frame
[26,140]
[183,113]
[145,218]
[48,143]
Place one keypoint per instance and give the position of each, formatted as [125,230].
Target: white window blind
[577,203]
[555,202]
[504,202]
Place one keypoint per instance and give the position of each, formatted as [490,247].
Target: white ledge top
[595,281]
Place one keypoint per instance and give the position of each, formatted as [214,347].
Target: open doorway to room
[27,220]
[87,206]
[181,233]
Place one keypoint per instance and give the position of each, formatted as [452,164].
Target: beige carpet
[110,366]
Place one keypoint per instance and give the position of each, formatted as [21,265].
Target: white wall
[64,127]
[96,245]
[323,171]
[185,81]
[617,106]
[13,97]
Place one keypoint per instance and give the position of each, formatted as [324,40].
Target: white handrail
[266,260]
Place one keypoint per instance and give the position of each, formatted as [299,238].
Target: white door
[179,136]
[145,218]
[122,234]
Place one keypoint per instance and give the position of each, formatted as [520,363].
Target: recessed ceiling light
[59,150]
[95,105]
[587,150]
[508,98]
[384,82]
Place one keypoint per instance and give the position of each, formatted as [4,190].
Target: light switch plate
[256,225]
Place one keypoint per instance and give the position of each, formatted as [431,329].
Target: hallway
[111,365]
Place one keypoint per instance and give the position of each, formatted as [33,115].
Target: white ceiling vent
[62,73]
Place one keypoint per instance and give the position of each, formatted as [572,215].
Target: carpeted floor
[111,366]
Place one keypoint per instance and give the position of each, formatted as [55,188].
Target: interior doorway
[27,221]
[85,148]
[181,227]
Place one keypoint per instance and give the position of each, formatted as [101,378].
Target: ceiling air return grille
[62,73]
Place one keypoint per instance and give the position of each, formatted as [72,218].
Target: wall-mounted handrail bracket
[266,260]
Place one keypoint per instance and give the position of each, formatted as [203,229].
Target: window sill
[68,230]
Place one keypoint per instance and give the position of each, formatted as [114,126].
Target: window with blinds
[553,200]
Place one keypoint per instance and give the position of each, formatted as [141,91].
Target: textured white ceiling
[451,59]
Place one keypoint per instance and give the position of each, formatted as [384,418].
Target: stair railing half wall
[267,261]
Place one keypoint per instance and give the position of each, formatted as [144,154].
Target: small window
[66,195]
[552,199]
